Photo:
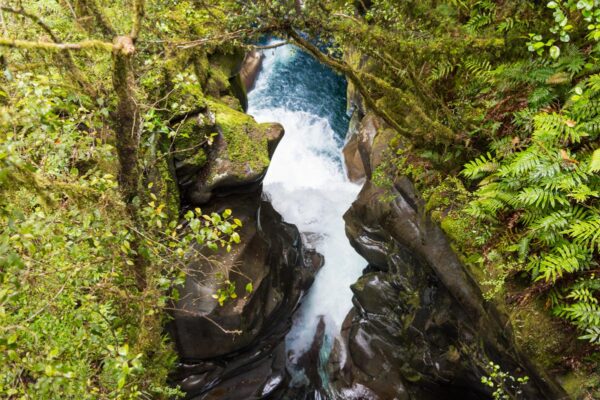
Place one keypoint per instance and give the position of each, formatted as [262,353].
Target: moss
[542,337]
[218,82]
[446,202]
[166,188]
[247,146]
[191,133]
[582,385]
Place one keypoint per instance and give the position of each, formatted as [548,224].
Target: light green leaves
[595,161]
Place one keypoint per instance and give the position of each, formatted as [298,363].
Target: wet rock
[235,162]
[236,350]
[250,68]
[220,364]
[420,328]
[359,146]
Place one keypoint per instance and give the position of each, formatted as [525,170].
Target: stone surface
[237,160]
[420,328]
[221,365]
[359,146]
[250,69]
[217,363]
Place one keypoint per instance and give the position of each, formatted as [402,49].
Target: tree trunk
[127,129]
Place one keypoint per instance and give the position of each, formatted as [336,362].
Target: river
[307,184]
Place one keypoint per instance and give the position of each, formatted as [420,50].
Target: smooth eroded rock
[251,68]
[420,328]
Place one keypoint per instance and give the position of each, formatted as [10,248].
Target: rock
[355,168]
[237,160]
[420,328]
[250,68]
[236,351]
[359,146]
[217,364]
[224,79]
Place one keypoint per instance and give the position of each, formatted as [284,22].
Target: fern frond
[539,197]
[480,167]
[586,233]
[592,334]
[567,258]
[441,71]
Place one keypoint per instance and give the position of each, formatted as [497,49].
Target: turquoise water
[308,186]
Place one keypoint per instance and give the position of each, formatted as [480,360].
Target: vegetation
[495,106]
[93,238]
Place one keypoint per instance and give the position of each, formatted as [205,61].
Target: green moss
[582,385]
[166,188]
[445,202]
[247,146]
[218,82]
[542,337]
[190,134]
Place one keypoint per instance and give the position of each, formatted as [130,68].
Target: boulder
[236,350]
[359,146]
[235,162]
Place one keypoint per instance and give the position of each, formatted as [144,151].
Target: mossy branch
[66,57]
[138,17]
[50,46]
[345,69]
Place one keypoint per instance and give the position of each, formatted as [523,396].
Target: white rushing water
[308,187]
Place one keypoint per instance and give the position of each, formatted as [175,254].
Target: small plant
[505,386]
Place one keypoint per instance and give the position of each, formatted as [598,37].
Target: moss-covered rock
[238,157]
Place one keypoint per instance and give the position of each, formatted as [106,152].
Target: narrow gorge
[300,200]
[357,293]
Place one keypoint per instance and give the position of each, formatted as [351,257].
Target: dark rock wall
[236,351]
[420,328]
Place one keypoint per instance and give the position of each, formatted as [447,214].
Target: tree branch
[138,16]
[344,68]
[66,57]
[83,45]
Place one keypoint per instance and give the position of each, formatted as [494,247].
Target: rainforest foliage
[496,106]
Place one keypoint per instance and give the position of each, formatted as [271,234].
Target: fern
[592,334]
[586,233]
[480,167]
[477,68]
[551,183]
[594,165]
[541,97]
[441,71]
[568,258]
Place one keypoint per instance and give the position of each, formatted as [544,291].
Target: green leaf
[555,51]
[595,161]
[249,287]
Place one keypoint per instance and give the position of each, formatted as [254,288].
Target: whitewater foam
[308,187]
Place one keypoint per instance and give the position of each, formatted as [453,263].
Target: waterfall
[308,186]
